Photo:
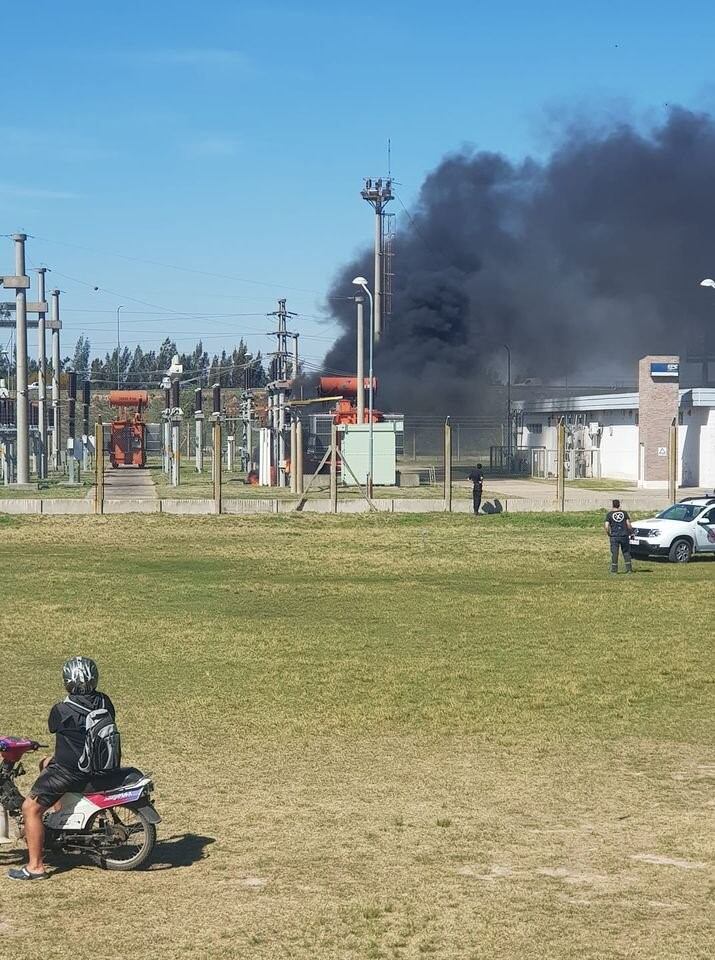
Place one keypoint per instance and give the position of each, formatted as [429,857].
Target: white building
[604,438]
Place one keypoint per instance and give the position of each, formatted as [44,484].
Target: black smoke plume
[582,263]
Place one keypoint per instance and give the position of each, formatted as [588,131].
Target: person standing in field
[618,527]
[477,478]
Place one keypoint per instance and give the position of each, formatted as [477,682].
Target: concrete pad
[57,506]
[237,506]
[11,505]
[131,506]
[128,484]
[188,507]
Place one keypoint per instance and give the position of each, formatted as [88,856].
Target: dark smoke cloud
[582,263]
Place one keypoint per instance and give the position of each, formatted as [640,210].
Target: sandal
[24,874]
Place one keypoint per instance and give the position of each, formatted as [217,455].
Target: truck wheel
[680,551]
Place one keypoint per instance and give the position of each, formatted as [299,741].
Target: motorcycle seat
[123,777]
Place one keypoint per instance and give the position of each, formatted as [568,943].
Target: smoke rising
[582,263]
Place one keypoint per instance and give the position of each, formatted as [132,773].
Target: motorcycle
[113,819]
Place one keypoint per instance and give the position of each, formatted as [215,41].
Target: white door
[705,532]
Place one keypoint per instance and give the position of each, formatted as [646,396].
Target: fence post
[99,467]
[561,465]
[217,465]
[299,457]
[334,468]
[673,461]
[447,466]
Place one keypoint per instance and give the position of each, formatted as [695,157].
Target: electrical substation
[299,433]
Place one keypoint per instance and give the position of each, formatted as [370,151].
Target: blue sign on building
[668,370]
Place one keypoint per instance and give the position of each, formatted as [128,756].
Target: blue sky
[232,137]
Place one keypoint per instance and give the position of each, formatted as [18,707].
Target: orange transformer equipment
[346,408]
[127,439]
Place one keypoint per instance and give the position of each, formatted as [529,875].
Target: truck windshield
[681,511]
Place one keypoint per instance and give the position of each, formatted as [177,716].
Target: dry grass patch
[376,737]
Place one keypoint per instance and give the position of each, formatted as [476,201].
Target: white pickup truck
[684,529]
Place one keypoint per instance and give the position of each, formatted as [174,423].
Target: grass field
[55,486]
[376,737]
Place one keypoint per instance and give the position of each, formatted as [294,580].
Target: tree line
[141,368]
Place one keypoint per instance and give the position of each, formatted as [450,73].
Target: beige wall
[658,400]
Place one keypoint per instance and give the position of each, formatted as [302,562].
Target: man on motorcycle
[60,773]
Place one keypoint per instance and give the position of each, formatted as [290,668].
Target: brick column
[658,391]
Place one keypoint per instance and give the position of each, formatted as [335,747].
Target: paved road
[540,490]
[128,484]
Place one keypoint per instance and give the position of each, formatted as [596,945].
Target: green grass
[54,486]
[199,485]
[376,736]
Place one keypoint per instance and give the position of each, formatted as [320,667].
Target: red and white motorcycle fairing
[75,809]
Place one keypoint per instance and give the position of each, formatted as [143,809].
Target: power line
[181,269]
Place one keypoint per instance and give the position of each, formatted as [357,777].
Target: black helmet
[80,675]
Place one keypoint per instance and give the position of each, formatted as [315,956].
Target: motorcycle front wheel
[129,836]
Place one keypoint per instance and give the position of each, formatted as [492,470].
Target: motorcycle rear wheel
[135,852]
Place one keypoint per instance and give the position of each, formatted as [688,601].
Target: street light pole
[119,308]
[362,282]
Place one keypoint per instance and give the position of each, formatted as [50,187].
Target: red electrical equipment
[346,408]
[127,441]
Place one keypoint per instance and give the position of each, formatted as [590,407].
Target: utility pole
[20,283]
[217,443]
[86,396]
[246,431]
[199,418]
[71,425]
[378,194]
[56,412]
[176,417]
[166,426]
[99,467]
[279,388]
[42,373]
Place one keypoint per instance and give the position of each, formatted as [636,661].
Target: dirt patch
[255,882]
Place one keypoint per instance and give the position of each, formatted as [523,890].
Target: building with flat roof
[626,436]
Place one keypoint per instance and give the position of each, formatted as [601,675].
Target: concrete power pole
[21,282]
[378,194]
[72,427]
[56,413]
[199,418]
[42,374]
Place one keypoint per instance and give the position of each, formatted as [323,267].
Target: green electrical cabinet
[355,446]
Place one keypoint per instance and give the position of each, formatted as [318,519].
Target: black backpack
[102,751]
